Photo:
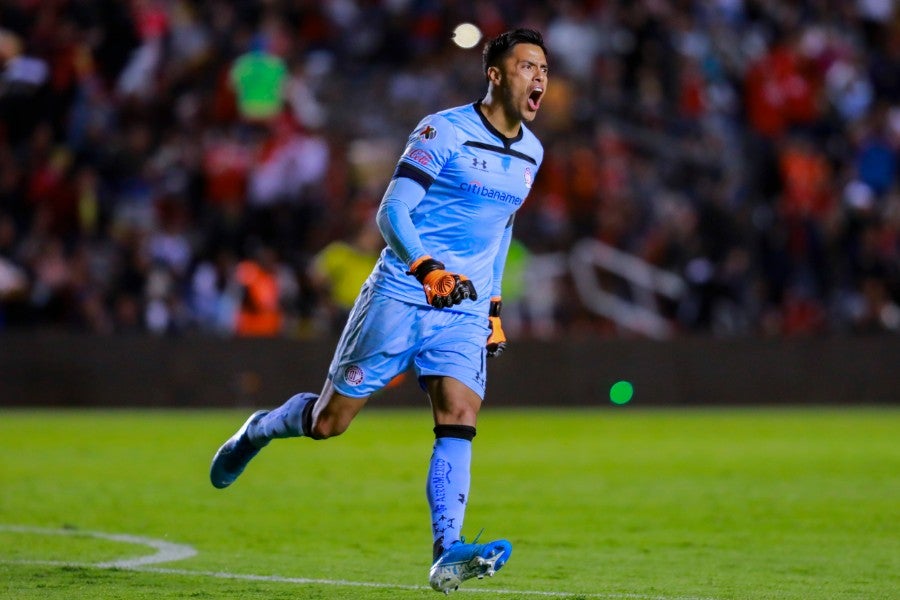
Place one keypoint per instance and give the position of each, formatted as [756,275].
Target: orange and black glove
[442,288]
[496,342]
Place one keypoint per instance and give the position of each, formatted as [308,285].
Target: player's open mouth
[534,98]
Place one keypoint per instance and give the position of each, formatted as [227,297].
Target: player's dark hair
[497,49]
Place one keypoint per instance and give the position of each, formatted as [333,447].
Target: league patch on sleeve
[426,133]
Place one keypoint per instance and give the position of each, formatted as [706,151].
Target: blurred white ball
[466,35]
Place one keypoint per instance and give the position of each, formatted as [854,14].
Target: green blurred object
[514,272]
[621,392]
[258,78]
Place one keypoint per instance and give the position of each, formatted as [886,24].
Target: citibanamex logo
[353,375]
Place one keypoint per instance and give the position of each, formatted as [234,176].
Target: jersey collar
[507,141]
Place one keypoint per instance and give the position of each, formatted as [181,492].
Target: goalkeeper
[433,300]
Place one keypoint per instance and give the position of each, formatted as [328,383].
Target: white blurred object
[876,10]
[858,195]
[466,35]
[13,279]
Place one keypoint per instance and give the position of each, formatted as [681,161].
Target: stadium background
[748,149]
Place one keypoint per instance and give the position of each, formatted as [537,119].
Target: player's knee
[326,426]
[332,414]
[459,413]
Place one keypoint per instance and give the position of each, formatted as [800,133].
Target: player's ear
[494,75]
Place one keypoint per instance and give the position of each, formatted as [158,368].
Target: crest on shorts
[353,375]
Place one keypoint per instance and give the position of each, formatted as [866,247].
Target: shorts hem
[354,394]
[479,390]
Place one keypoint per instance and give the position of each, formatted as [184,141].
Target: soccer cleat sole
[447,577]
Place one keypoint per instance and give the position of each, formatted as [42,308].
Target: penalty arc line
[165,551]
[170,552]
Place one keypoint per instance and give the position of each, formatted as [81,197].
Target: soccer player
[433,300]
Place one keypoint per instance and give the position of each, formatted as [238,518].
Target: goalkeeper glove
[496,342]
[442,288]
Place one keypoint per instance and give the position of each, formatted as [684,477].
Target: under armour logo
[475,164]
[462,498]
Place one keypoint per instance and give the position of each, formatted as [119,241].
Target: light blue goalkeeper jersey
[475,180]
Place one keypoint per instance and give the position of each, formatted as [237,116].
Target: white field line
[165,551]
[170,552]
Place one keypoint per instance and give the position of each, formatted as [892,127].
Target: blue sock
[448,483]
[285,421]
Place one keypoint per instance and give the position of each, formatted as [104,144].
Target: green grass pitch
[615,502]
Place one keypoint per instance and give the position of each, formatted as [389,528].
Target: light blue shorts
[384,337]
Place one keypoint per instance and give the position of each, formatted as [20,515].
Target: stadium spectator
[339,270]
[259,80]
[259,296]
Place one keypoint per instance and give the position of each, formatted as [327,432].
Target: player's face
[525,80]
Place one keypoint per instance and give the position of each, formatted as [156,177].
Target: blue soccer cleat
[233,455]
[462,561]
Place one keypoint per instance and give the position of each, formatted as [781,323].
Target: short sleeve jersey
[475,180]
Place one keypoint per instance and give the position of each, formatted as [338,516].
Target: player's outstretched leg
[263,426]
[462,561]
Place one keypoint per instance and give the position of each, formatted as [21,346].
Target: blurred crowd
[179,166]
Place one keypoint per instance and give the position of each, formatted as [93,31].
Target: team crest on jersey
[353,375]
[427,133]
[528,178]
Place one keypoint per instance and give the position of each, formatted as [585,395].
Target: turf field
[612,503]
